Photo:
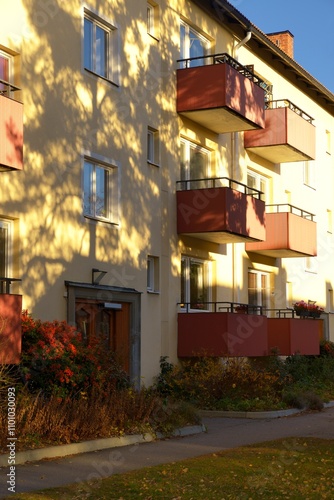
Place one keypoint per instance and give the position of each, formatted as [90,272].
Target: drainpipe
[235,152]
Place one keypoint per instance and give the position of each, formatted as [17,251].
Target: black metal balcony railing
[234,307]
[6,88]
[217,182]
[285,103]
[277,208]
[5,284]
[237,307]
[220,59]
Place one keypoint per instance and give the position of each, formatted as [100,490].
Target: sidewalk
[222,433]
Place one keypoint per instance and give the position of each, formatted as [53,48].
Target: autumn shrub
[44,420]
[207,381]
[56,360]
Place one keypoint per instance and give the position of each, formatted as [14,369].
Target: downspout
[235,152]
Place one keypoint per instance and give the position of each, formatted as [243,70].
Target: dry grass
[43,421]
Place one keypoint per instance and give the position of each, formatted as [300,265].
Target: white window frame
[311,265]
[152,13]
[4,89]
[260,182]
[185,163]
[207,283]
[309,174]
[191,34]
[153,274]
[111,189]
[8,257]
[328,142]
[111,62]
[258,289]
[153,147]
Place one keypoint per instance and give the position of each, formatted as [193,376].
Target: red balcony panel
[222,334]
[287,235]
[11,134]
[291,336]
[10,328]
[220,215]
[287,137]
[220,98]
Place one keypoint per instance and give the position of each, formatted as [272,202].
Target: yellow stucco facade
[104,94]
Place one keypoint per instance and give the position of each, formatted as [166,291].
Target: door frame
[100,294]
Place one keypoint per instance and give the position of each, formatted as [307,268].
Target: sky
[310,21]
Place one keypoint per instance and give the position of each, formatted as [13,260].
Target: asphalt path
[222,434]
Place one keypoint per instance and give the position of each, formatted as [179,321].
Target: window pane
[88,44]
[252,291]
[3,251]
[183,54]
[198,290]
[88,189]
[150,145]
[101,52]
[101,208]
[198,164]
[183,163]
[183,281]
[197,48]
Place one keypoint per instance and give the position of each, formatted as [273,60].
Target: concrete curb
[64,450]
[256,414]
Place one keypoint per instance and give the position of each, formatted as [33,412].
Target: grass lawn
[291,468]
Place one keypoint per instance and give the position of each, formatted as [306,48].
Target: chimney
[283,40]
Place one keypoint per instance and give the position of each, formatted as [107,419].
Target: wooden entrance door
[112,326]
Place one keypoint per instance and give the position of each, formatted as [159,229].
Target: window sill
[153,36]
[152,292]
[96,75]
[153,164]
[95,220]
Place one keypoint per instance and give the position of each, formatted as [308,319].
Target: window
[311,265]
[309,173]
[100,191]
[259,182]
[328,142]
[99,47]
[152,274]
[152,146]
[152,19]
[195,164]
[258,288]
[195,283]
[329,221]
[5,248]
[192,45]
[5,71]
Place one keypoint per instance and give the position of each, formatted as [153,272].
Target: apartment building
[165,166]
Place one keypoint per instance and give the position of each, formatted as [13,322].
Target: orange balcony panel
[287,235]
[10,328]
[222,334]
[220,215]
[11,134]
[287,137]
[220,98]
[290,336]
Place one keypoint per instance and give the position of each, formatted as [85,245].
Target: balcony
[220,94]
[10,323]
[221,333]
[289,335]
[290,232]
[220,210]
[288,135]
[11,129]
